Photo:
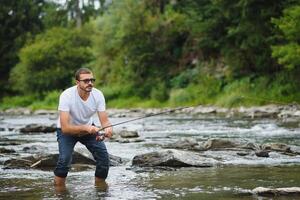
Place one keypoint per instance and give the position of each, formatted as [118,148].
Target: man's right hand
[92,129]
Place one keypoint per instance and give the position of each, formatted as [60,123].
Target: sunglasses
[86,81]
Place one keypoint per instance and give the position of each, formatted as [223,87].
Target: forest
[151,53]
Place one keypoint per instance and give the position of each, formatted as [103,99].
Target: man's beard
[87,88]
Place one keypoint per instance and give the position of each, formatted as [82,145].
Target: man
[76,107]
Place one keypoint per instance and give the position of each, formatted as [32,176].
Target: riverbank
[286,112]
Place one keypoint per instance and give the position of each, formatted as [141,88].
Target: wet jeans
[66,145]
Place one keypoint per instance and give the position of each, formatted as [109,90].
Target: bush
[288,54]
[17,101]
[159,92]
[49,62]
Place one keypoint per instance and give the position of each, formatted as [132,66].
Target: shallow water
[234,180]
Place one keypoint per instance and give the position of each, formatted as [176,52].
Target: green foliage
[279,89]
[49,101]
[117,91]
[288,53]
[49,62]
[205,91]
[19,21]
[17,101]
[159,92]
[154,52]
[138,45]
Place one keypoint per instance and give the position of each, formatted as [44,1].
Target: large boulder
[276,191]
[49,161]
[38,128]
[173,158]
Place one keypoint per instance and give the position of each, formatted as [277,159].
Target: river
[234,180]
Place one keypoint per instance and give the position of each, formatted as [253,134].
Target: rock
[173,158]
[276,147]
[220,144]
[262,153]
[18,111]
[19,163]
[123,140]
[38,128]
[204,110]
[116,161]
[128,134]
[81,167]
[259,112]
[3,150]
[8,142]
[242,153]
[183,143]
[35,149]
[48,162]
[45,112]
[276,191]
[251,146]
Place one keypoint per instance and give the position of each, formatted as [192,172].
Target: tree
[288,52]
[49,62]
[20,20]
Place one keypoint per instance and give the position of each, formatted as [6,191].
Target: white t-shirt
[80,111]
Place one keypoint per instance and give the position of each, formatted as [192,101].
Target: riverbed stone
[126,134]
[4,150]
[173,158]
[276,147]
[129,134]
[220,144]
[48,162]
[243,153]
[129,140]
[9,142]
[183,143]
[19,163]
[263,191]
[38,128]
[262,153]
[45,112]
[250,146]
[18,111]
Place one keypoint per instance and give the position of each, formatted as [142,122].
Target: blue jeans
[66,145]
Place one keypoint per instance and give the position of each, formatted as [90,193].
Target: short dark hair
[82,70]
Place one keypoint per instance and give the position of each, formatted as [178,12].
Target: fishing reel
[100,136]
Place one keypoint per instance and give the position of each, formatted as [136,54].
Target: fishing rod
[100,133]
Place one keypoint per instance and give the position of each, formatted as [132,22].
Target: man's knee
[63,165]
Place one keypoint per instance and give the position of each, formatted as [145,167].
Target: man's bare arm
[103,118]
[78,130]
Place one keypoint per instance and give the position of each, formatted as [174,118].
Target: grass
[243,92]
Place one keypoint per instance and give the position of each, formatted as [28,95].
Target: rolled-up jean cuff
[102,172]
[60,174]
